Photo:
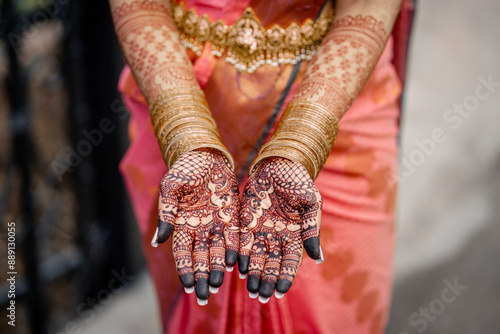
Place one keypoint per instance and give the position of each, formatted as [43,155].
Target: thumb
[167,213]
[311,222]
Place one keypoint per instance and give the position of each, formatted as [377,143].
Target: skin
[346,58]
[281,208]
[199,201]
[199,206]
[280,215]
[145,31]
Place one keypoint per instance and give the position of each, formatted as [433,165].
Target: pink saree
[350,291]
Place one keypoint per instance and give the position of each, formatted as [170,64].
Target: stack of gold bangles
[182,122]
[305,134]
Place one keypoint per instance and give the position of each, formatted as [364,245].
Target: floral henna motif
[280,214]
[151,44]
[199,205]
[343,63]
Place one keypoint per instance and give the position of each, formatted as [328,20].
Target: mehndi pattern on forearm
[343,63]
[152,47]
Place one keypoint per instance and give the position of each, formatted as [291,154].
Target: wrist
[182,122]
[305,134]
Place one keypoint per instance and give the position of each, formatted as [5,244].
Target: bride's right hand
[199,206]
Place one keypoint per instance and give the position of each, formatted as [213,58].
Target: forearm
[334,78]
[151,45]
[179,111]
[348,54]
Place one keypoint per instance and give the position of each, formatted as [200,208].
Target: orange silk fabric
[350,291]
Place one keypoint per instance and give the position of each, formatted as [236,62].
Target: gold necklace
[248,44]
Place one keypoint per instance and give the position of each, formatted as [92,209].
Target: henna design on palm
[280,215]
[199,206]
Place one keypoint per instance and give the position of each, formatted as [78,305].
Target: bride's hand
[280,215]
[199,205]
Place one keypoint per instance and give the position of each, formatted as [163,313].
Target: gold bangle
[176,100]
[302,131]
[173,99]
[186,110]
[310,144]
[167,119]
[189,129]
[315,119]
[305,134]
[328,132]
[170,147]
[319,140]
[291,141]
[169,127]
[300,116]
[314,115]
[315,110]
[184,90]
[307,119]
[182,122]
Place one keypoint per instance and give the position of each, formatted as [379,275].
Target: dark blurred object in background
[63,135]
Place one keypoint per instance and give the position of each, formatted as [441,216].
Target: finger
[225,196]
[217,259]
[201,265]
[248,218]
[257,259]
[232,236]
[271,270]
[246,244]
[311,222]
[167,209]
[182,244]
[292,254]
[232,228]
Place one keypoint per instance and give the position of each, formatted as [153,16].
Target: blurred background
[64,130]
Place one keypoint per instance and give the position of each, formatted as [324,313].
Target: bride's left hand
[280,216]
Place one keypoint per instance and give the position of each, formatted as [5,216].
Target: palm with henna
[199,206]
[280,216]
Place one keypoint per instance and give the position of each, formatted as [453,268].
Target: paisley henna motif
[280,214]
[199,205]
